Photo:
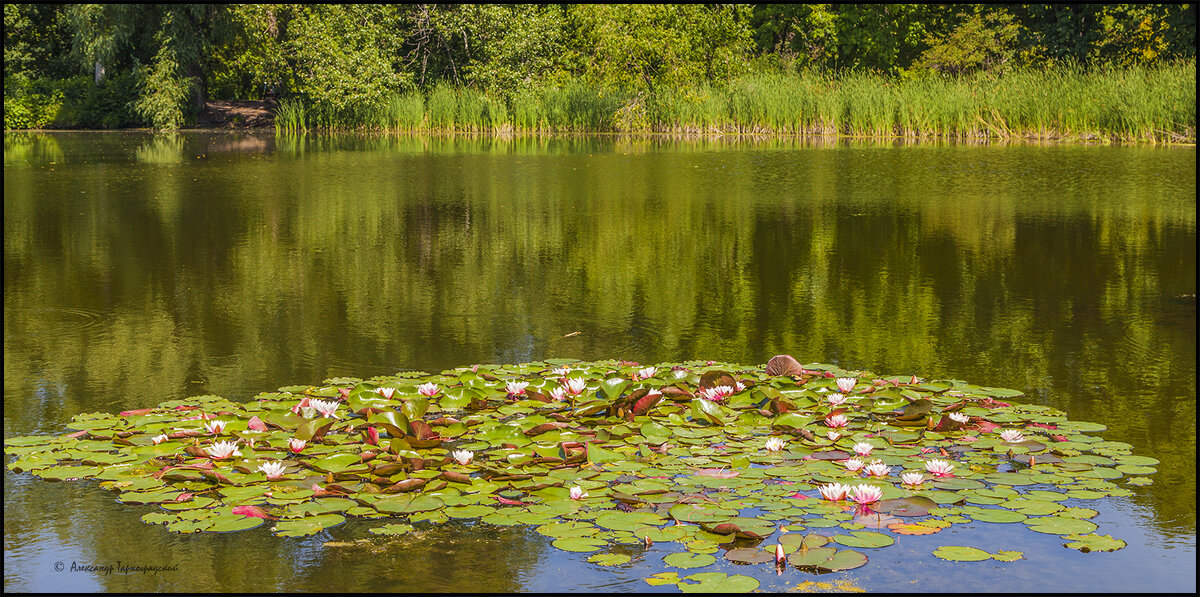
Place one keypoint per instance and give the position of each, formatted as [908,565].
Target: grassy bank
[1135,104]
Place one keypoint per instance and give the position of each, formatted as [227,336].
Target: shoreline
[672,135]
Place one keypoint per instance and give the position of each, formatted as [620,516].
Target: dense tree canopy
[341,58]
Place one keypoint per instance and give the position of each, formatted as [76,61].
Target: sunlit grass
[1146,104]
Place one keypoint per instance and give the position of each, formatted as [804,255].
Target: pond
[139,269]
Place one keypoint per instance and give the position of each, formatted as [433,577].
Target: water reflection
[138,268]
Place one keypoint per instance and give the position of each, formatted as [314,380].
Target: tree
[805,34]
[643,46]
[982,41]
[346,58]
[886,37]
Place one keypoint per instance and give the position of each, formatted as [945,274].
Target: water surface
[139,269]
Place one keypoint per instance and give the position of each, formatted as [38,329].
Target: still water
[139,269]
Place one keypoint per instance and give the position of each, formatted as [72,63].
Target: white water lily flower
[863,448]
[577,493]
[836,399]
[1012,435]
[385,392]
[913,478]
[575,385]
[846,384]
[853,465]
[877,469]
[833,435]
[959,417]
[428,389]
[215,427]
[866,494]
[462,456]
[327,408]
[774,444]
[838,420]
[516,387]
[160,438]
[561,371]
[834,491]
[939,468]
[738,386]
[273,470]
[646,372]
[222,450]
[557,394]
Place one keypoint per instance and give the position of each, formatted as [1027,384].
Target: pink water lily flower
[838,420]
[429,389]
[385,392]
[738,386]
[462,456]
[854,465]
[867,494]
[296,445]
[863,448]
[326,408]
[575,385]
[222,450]
[516,388]
[913,478]
[561,371]
[215,427]
[836,399]
[834,491]
[304,403]
[558,394]
[716,394]
[846,384]
[1012,435]
[939,468]
[273,470]
[877,469]
[158,439]
[774,444]
[577,493]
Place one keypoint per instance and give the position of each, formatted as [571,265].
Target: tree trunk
[199,87]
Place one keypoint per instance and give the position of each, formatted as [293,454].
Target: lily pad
[718,582]
[689,560]
[960,553]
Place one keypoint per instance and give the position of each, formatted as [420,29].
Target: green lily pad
[689,560]
[1091,542]
[718,582]
[609,559]
[580,544]
[959,553]
[827,559]
[1058,525]
[864,539]
[309,525]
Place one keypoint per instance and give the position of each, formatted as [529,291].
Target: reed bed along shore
[1129,104]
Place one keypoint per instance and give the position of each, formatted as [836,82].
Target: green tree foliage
[350,63]
[803,34]
[644,46]
[345,59]
[982,41]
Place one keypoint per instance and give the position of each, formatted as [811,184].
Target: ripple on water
[54,322]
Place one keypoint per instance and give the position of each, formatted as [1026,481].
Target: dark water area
[139,269]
